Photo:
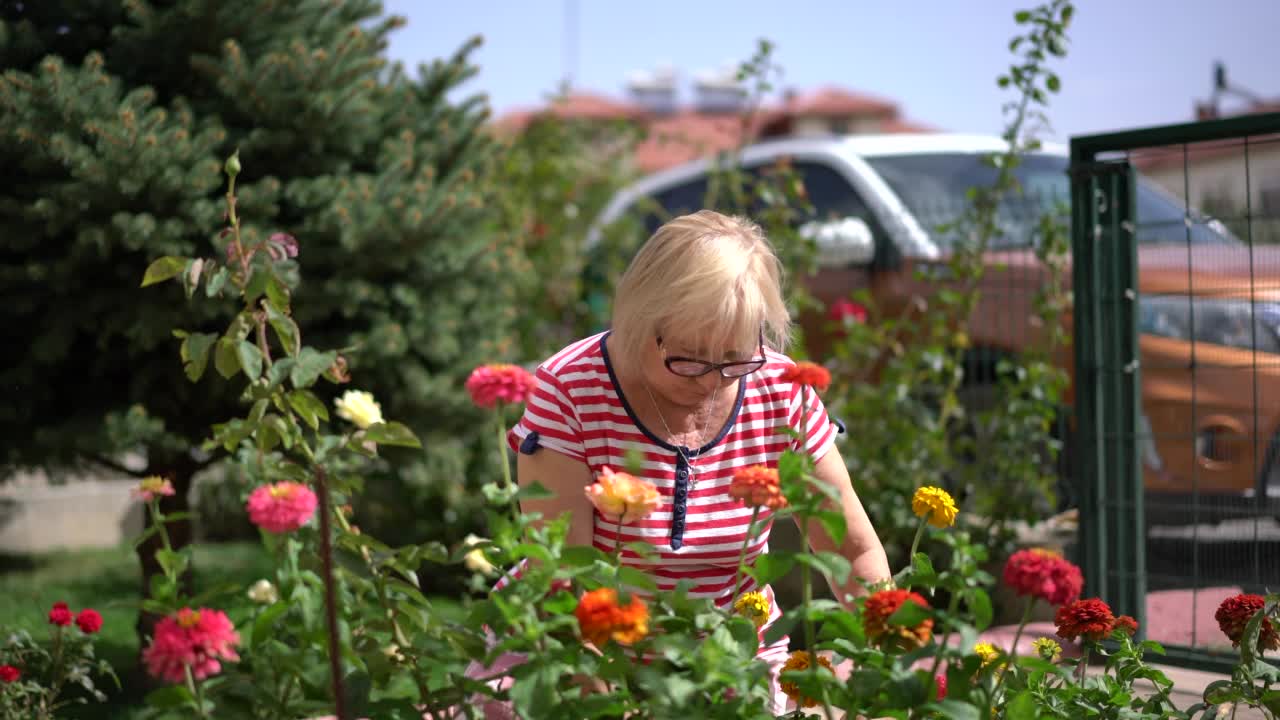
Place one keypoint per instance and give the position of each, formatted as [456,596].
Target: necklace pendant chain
[706,425]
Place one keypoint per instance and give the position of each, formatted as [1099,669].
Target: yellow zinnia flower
[987,652]
[753,606]
[1048,648]
[935,505]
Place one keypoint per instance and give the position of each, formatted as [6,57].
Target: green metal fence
[1177,372]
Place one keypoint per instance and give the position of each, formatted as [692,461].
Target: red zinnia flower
[60,615]
[757,486]
[1043,574]
[601,618]
[1091,618]
[282,507]
[9,673]
[489,384]
[847,313]
[807,373]
[1127,624]
[1235,613]
[89,621]
[199,639]
[941,681]
[875,619]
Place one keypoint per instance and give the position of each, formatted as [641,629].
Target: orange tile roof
[838,101]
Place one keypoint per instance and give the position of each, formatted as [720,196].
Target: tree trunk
[179,471]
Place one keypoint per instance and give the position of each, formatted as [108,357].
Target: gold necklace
[706,425]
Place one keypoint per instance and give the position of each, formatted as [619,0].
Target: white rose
[360,408]
[475,560]
[263,592]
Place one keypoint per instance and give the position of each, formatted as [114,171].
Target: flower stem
[806,582]
[1013,651]
[1084,663]
[196,692]
[158,519]
[330,594]
[915,542]
[742,555]
[502,442]
[617,536]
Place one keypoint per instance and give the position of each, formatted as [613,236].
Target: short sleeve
[550,418]
[813,424]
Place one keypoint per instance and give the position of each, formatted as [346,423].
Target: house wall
[1223,179]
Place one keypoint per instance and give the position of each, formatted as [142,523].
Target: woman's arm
[861,545]
[567,478]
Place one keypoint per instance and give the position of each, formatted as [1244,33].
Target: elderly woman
[689,376]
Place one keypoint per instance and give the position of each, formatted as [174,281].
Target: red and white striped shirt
[579,410]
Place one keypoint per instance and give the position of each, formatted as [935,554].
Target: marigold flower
[987,652]
[89,621]
[198,639]
[475,559]
[489,384]
[757,486]
[880,606]
[808,373]
[60,615]
[152,487]
[601,618]
[1047,649]
[801,660]
[1043,574]
[753,606]
[10,674]
[1127,624]
[281,507]
[263,592]
[623,498]
[1090,618]
[359,408]
[935,505]
[1235,613]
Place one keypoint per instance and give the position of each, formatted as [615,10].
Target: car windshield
[934,188]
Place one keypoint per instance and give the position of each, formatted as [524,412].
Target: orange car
[1209,304]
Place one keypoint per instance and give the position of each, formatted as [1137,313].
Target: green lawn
[109,581]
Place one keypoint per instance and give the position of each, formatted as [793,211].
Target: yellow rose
[263,592]
[623,498]
[360,408]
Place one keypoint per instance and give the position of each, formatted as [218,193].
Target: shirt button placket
[680,497]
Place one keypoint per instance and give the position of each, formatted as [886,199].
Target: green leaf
[225,360]
[195,354]
[163,269]
[308,407]
[277,295]
[1021,707]
[264,624]
[256,286]
[833,522]
[909,615]
[285,328]
[1053,83]
[1219,691]
[769,568]
[171,697]
[1022,16]
[173,563]
[582,556]
[955,710]
[631,577]
[833,565]
[392,433]
[250,359]
[191,276]
[311,365]
[980,607]
[216,282]
[277,425]
[534,491]
[561,603]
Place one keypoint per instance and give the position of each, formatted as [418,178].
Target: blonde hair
[712,278]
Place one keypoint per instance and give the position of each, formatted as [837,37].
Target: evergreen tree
[114,118]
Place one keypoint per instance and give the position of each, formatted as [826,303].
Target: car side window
[677,200]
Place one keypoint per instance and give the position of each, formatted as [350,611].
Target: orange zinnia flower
[875,619]
[1235,613]
[623,498]
[1091,618]
[1127,624]
[757,486]
[601,618]
[801,660]
[807,373]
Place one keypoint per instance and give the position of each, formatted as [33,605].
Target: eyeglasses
[692,367]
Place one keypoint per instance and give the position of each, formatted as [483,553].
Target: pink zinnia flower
[489,384]
[282,507]
[60,615]
[1043,574]
[199,639]
[847,312]
[9,673]
[152,487]
[89,621]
